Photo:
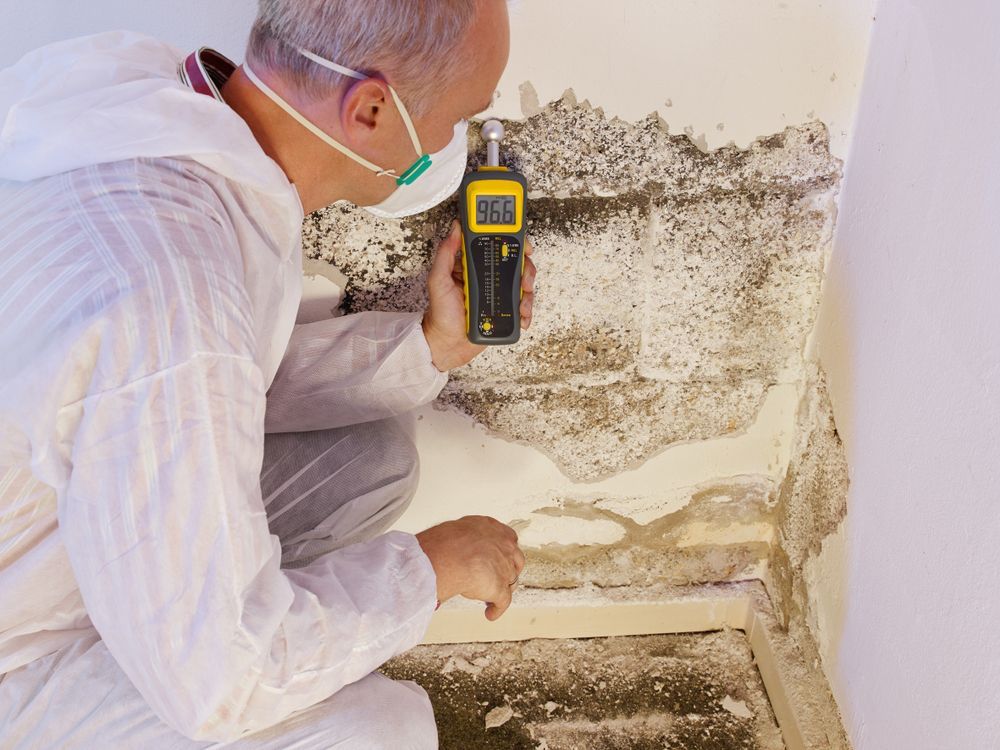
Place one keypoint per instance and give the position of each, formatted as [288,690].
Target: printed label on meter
[496,260]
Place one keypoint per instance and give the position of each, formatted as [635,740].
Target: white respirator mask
[426,183]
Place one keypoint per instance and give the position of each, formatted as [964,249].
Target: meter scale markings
[496,260]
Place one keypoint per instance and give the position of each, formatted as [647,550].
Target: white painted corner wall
[910,338]
[187,24]
[724,70]
[718,69]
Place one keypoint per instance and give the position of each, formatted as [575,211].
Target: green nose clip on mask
[430,180]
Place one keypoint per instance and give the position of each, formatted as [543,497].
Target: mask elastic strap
[294,114]
[362,77]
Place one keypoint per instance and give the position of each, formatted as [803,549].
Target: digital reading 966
[495,209]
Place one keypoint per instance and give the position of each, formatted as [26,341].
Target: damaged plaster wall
[662,418]
[652,409]
[804,575]
[660,421]
[676,294]
[676,286]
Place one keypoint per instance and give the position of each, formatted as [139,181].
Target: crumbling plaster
[804,575]
[670,692]
[676,286]
[676,292]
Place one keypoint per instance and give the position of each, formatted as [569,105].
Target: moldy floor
[697,691]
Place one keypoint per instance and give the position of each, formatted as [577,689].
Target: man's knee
[382,714]
[413,715]
[399,457]
[387,463]
[328,489]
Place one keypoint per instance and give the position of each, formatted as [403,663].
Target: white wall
[187,24]
[910,336]
[752,67]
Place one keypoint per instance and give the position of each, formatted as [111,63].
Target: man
[170,576]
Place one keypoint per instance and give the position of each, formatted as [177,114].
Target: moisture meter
[491,211]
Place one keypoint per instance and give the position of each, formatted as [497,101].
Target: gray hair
[413,43]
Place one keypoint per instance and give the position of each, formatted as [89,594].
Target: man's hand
[476,557]
[444,321]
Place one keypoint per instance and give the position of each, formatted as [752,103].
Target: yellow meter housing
[491,212]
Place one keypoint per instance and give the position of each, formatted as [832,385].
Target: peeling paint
[547,508]
[544,529]
[529,100]
[675,286]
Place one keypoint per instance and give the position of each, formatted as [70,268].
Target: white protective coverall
[150,274]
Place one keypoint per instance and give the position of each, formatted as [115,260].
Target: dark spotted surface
[679,692]
[675,285]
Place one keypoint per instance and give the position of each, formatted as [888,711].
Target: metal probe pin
[492,133]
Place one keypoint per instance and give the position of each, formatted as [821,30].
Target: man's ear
[364,103]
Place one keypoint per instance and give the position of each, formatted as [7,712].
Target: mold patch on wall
[675,286]
[811,504]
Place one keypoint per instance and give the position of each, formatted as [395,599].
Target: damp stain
[812,503]
[662,551]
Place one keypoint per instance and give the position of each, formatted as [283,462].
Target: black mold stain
[663,691]
[574,218]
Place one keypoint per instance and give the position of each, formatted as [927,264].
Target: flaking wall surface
[676,291]
[675,286]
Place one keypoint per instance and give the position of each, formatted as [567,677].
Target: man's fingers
[528,248]
[527,305]
[501,602]
[444,261]
[528,277]
[519,560]
[527,290]
[458,272]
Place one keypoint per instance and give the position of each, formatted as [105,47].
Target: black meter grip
[492,262]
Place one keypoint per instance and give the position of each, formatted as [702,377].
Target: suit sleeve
[352,369]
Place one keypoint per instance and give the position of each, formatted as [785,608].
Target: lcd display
[495,209]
